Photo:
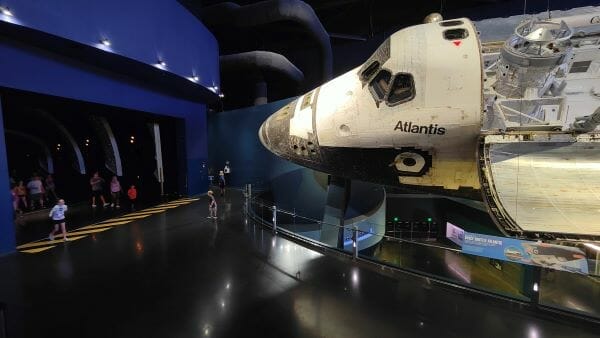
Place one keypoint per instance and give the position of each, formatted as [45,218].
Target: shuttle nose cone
[274,132]
[262,135]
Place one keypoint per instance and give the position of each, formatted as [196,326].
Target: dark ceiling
[356,28]
[362,18]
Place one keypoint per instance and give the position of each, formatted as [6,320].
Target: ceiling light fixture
[6,11]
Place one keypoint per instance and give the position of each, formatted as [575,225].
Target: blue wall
[30,69]
[7,229]
[233,136]
[138,29]
[142,31]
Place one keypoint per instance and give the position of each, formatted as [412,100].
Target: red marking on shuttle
[456,43]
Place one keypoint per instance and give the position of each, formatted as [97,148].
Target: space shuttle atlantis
[512,123]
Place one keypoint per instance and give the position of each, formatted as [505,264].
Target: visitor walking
[57,213]
[15,199]
[115,192]
[97,184]
[212,205]
[132,194]
[36,191]
[21,191]
[227,172]
[222,182]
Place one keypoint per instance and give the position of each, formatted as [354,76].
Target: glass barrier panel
[570,292]
[501,277]
[420,251]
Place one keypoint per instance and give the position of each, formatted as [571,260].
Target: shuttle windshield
[402,89]
[380,84]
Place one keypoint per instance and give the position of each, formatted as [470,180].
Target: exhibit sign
[546,255]
[455,234]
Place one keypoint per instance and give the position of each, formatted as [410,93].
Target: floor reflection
[180,274]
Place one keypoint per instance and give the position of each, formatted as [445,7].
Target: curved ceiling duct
[259,65]
[273,11]
[79,163]
[49,165]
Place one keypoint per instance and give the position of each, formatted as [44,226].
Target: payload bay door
[543,183]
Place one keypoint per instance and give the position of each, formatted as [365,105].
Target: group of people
[97,185]
[39,191]
[57,213]
[34,195]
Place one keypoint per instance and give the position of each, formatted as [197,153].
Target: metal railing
[507,280]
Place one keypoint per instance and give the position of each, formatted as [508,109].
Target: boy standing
[58,218]
[212,205]
[132,194]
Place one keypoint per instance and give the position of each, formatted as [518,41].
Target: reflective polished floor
[35,225]
[179,274]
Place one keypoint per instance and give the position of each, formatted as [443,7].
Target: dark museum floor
[179,274]
[35,225]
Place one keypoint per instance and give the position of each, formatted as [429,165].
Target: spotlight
[132,137]
[221,95]
[195,78]
[6,11]
[105,41]
[161,63]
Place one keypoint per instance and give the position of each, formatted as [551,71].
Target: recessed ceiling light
[6,11]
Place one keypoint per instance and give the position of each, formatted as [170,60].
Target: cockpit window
[366,74]
[451,23]
[402,89]
[380,84]
[381,55]
[456,34]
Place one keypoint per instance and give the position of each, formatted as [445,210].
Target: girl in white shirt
[58,218]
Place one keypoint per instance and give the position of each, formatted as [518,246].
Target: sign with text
[455,234]
[546,255]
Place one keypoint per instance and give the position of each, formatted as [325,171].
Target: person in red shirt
[132,194]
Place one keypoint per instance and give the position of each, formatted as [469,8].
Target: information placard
[546,255]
